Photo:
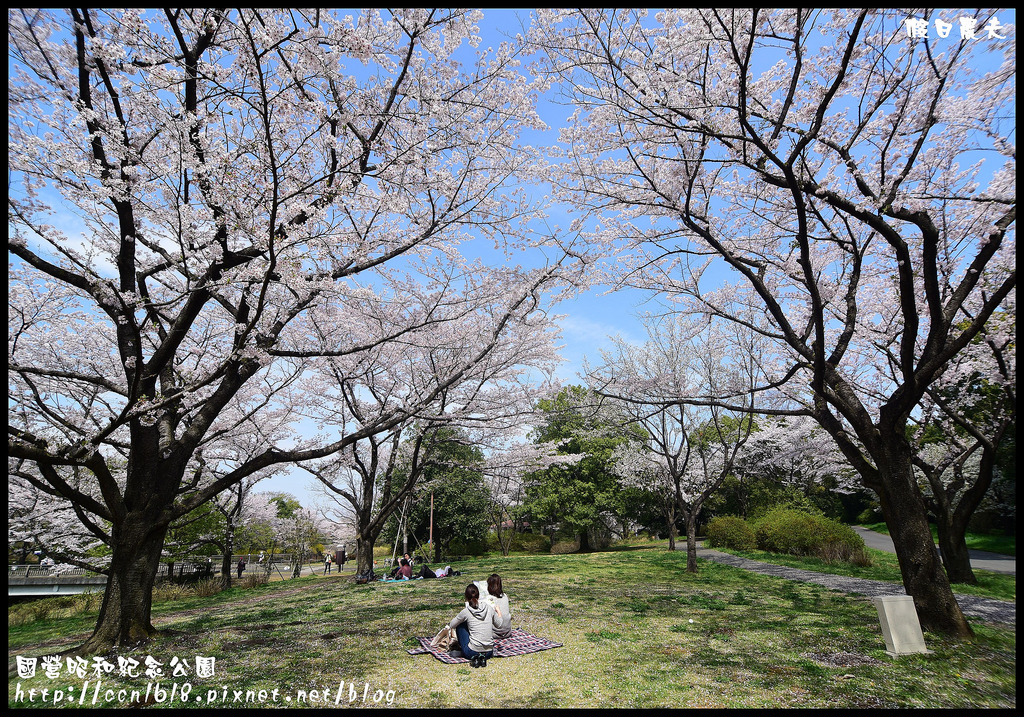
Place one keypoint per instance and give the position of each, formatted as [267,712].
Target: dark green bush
[728,531]
[468,547]
[795,532]
[531,543]
[521,543]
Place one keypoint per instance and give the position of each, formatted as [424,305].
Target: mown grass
[623,617]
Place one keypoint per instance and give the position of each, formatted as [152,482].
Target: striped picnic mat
[519,642]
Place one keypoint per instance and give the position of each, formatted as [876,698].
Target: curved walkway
[980,559]
[984,608]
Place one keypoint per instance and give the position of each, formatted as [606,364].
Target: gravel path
[984,608]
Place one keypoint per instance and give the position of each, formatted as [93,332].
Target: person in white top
[491,591]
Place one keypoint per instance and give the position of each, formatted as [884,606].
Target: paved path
[984,608]
[980,559]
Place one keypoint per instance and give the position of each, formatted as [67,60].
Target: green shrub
[871,514]
[786,530]
[169,592]
[41,609]
[564,541]
[728,531]
[521,543]
[840,543]
[467,547]
[91,600]
[795,532]
[563,546]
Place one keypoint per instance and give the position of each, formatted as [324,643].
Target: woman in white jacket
[491,591]
[474,627]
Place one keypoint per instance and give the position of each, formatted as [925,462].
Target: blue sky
[588,318]
[596,314]
[593,316]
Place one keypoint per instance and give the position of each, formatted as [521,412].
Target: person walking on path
[327,563]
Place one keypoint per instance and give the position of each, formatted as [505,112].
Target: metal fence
[187,567]
[36,571]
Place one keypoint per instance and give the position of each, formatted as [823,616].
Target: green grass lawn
[637,630]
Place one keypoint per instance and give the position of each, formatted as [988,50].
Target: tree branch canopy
[220,221]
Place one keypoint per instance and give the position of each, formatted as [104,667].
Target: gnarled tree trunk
[906,517]
[125,613]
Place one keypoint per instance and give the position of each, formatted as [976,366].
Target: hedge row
[791,532]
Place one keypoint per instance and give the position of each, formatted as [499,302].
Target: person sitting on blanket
[404,572]
[474,627]
[492,593]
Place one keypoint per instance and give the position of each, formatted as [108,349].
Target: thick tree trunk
[670,518]
[585,541]
[691,541]
[955,555]
[364,553]
[125,614]
[906,516]
[952,519]
[136,542]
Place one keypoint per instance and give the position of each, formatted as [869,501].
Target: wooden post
[405,526]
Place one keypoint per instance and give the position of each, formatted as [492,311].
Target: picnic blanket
[519,642]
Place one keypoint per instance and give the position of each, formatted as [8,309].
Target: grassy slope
[623,617]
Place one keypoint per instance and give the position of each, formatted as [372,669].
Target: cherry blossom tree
[282,523]
[259,526]
[691,445]
[366,480]
[460,371]
[851,181]
[505,470]
[299,530]
[795,451]
[193,194]
[44,520]
[965,417]
[230,506]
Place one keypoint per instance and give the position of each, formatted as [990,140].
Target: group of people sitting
[404,570]
[485,617]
